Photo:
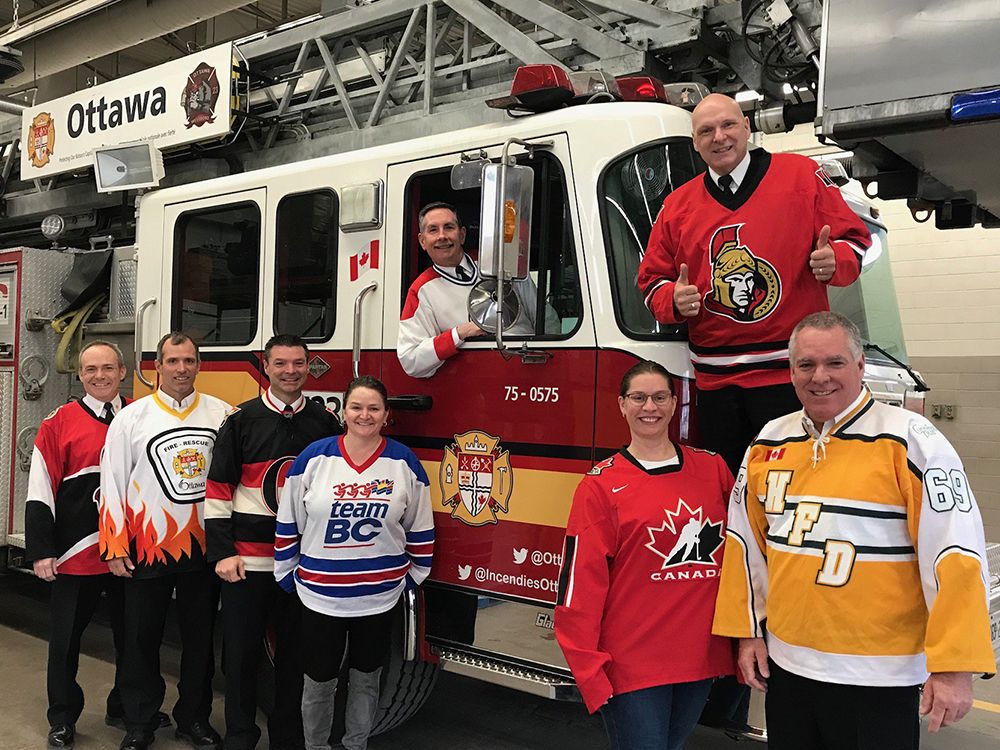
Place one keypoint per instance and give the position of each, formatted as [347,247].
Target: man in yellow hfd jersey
[855,562]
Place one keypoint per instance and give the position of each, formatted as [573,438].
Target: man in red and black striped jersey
[253,452]
[61,531]
[741,254]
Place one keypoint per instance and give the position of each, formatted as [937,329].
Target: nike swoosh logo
[616,490]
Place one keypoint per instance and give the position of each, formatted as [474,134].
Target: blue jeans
[656,718]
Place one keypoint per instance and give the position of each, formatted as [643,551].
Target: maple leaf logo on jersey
[745,287]
[685,537]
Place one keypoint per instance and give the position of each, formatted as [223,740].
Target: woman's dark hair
[368,381]
[646,367]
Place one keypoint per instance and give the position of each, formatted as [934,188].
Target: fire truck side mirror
[505,222]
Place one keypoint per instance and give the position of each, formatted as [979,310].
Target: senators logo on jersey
[745,287]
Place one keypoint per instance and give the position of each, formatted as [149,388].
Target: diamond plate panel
[42,275]
[124,274]
[6,439]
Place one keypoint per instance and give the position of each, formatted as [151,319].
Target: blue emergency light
[975,105]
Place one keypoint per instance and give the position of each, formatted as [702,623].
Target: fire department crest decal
[179,460]
[685,538]
[745,287]
[200,96]
[189,463]
[41,139]
[476,478]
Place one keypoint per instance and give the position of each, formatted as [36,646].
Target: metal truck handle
[138,341]
[356,348]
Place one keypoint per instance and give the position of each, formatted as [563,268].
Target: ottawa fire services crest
[686,538]
[41,139]
[189,463]
[200,96]
[476,478]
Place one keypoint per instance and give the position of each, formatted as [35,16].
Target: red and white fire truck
[327,248]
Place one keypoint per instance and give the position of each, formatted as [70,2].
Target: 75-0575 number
[537,393]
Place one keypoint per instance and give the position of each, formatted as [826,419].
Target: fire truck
[323,243]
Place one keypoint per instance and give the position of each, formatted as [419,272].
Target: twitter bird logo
[463,572]
[520,555]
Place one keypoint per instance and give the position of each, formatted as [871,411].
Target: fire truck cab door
[210,286]
[517,433]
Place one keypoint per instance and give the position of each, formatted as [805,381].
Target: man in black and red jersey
[61,532]
[741,254]
[254,450]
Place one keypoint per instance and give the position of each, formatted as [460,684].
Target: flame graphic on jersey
[151,548]
[112,541]
[685,537]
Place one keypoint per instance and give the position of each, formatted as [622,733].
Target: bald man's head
[721,132]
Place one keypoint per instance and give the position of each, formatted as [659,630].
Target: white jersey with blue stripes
[350,538]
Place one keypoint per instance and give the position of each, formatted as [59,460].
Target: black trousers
[324,638]
[72,605]
[141,684]
[248,607]
[804,714]
[731,417]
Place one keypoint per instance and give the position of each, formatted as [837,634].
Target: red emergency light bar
[642,89]
[540,88]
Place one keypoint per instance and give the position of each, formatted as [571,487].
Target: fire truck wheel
[406,685]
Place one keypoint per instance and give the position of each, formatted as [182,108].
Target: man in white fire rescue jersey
[855,562]
[435,323]
[154,470]
[741,254]
[253,452]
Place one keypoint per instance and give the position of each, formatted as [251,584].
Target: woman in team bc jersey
[355,529]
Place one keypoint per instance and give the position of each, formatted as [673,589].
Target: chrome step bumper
[508,674]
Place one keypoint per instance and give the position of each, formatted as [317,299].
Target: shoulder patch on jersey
[601,466]
[825,178]
[925,429]
[701,450]
[229,413]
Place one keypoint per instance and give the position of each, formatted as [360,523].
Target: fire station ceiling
[67,45]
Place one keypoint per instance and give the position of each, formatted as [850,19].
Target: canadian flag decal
[361,262]
[775,454]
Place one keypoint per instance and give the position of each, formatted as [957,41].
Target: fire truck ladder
[398,69]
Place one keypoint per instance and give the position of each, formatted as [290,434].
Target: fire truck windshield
[631,190]
[871,301]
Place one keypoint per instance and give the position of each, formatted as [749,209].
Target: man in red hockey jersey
[61,532]
[741,254]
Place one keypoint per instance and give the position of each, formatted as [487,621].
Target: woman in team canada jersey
[354,530]
[640,572]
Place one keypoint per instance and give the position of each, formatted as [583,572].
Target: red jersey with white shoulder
[640,574]
[351,537]
[748,254]
[60,513]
